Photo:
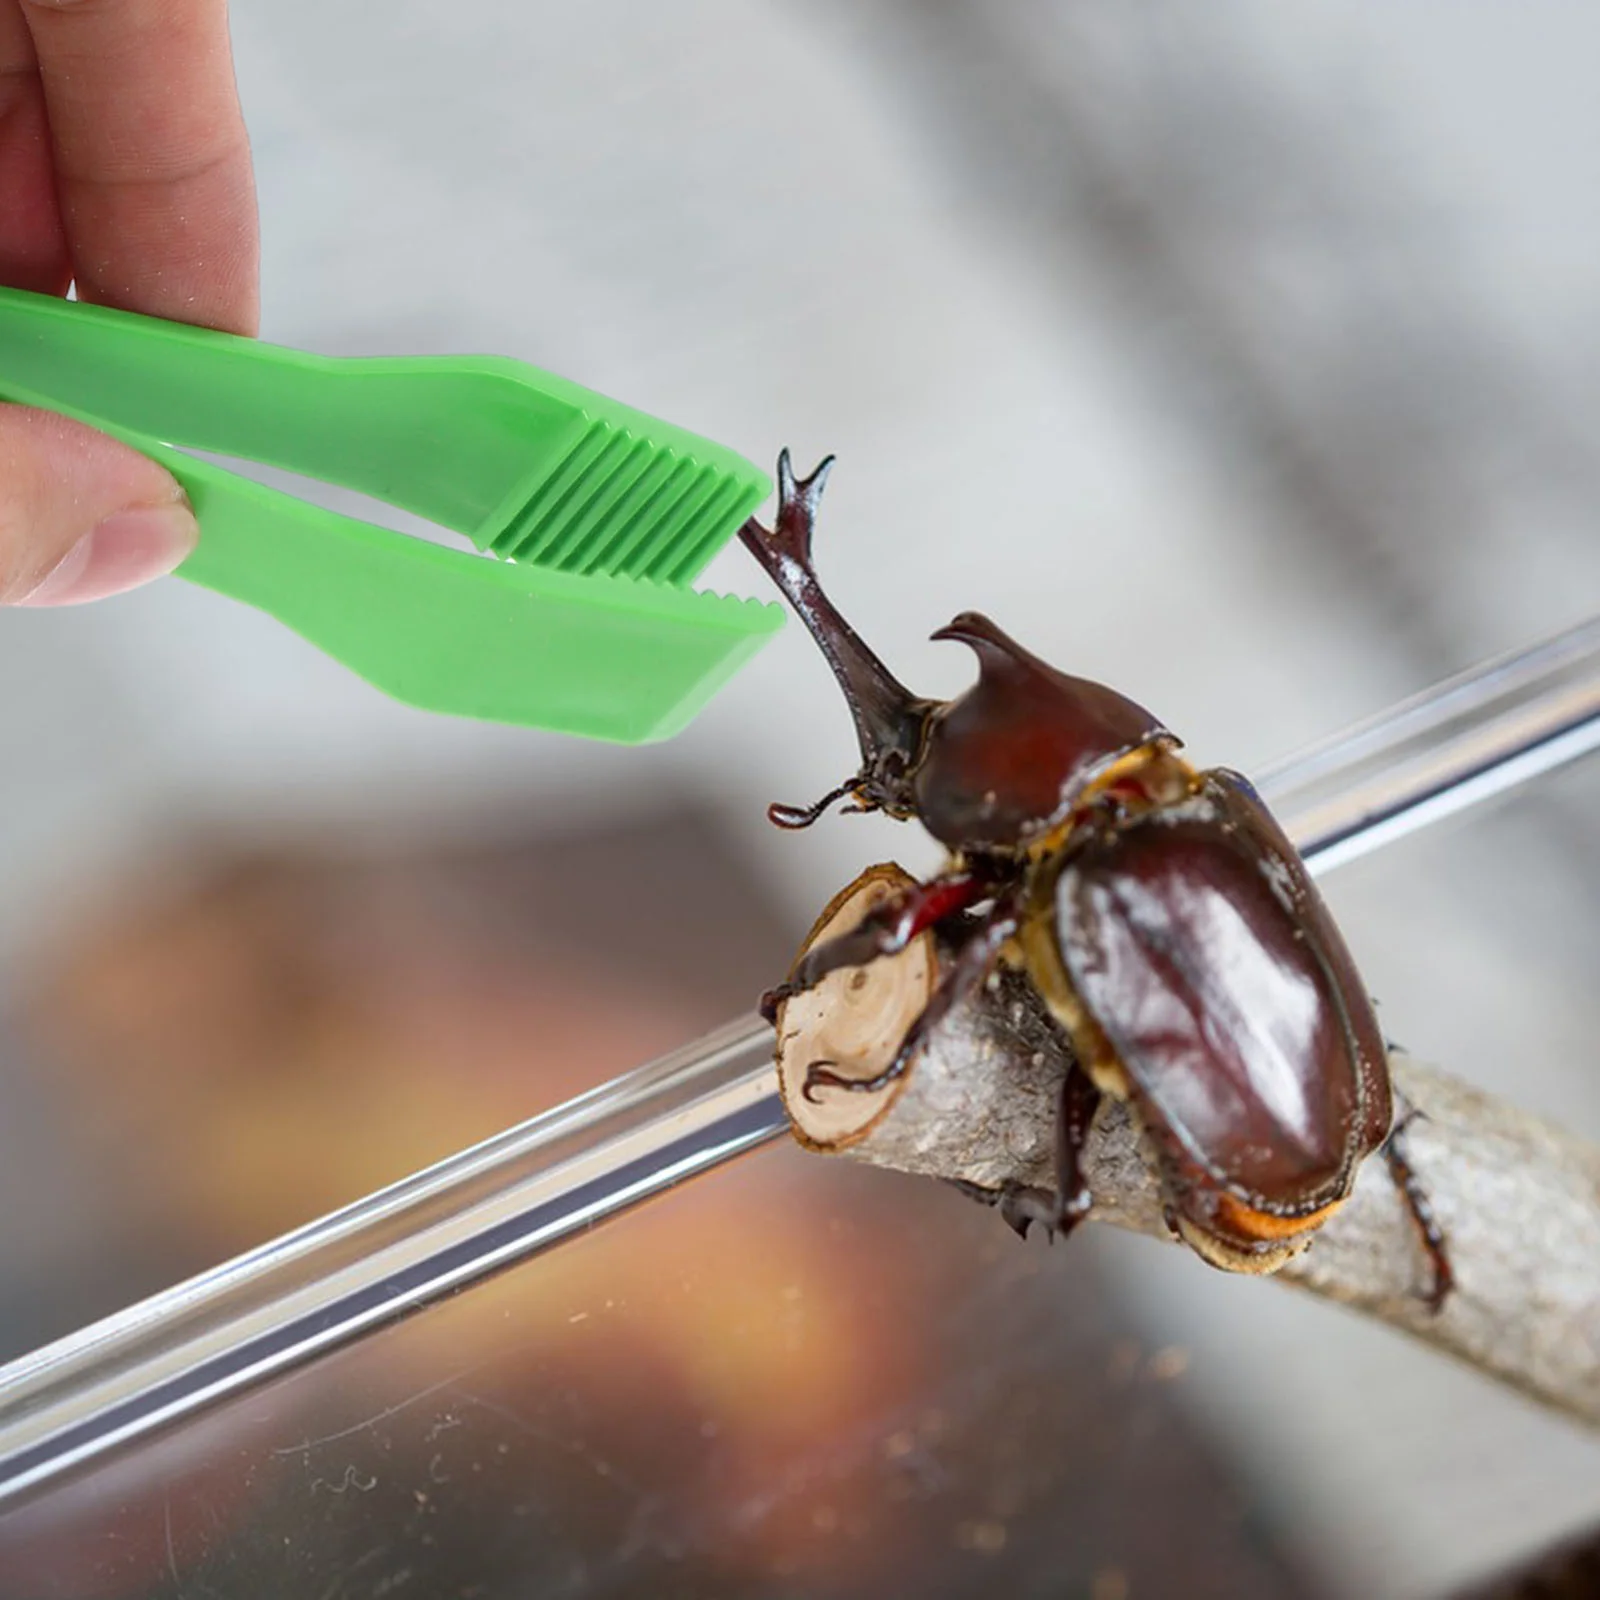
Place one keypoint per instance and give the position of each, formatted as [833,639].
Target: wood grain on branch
[1519,1200]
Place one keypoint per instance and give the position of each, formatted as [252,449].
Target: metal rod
[525,1190]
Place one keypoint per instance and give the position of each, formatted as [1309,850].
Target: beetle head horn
[889,719]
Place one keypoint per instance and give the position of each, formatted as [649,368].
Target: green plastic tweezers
[601,516]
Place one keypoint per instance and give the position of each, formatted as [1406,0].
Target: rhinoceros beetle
[1167,922]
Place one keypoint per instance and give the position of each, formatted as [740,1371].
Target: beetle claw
[1021,1206]
[772,1001]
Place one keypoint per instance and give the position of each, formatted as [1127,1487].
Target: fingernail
[126,550]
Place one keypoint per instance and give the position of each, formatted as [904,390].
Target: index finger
[152,161]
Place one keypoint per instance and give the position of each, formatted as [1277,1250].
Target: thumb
[82,516]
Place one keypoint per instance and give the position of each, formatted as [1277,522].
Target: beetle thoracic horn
[975,629]
[889,719]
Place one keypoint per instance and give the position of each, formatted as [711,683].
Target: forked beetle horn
[889,719]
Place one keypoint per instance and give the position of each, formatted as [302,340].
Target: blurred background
[1245,361]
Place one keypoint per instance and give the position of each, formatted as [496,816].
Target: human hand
[124,168]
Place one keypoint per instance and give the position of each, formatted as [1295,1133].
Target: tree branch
[1519,1200]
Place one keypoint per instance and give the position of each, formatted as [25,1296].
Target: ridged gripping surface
[617,505]
[603,516]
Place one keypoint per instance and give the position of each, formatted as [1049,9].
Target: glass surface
[792,1378]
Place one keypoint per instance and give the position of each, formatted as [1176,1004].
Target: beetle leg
[1415,1194]
[1022,1205]
[885,930]
[1080,1099]
[794,818]
[966,974]
[1061,1212]
[1018,1204]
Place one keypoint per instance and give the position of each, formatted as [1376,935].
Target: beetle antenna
[889,719]
[797,817]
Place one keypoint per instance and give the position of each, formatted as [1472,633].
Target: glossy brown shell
[1004,762]
[1195,941]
